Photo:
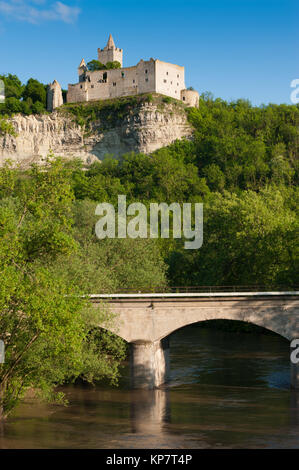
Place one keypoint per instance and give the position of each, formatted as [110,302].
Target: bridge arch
[147,320]
[281,331]
[213,349]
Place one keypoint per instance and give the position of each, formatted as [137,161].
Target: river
[226,390]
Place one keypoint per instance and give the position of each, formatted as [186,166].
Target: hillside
[93,130]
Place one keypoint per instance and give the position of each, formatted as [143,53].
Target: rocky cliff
[143,127]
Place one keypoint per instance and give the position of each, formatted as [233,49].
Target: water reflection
[227,390]
[294,408]
[150,410]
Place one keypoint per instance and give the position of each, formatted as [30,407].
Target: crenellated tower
[110,53]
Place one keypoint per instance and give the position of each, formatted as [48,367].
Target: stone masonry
[152,76]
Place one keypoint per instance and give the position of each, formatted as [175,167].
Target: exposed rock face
[146,129]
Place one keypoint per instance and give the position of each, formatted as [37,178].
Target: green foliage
[48,327]
[12,106]
[35,91]
[6,127]
[50,259]
[238,146]
[25,99]
[250,239]
[13,86]
[94,65]
[111,264]
[113,65]
[159,178]
[243,165]
[38,108]
[215,177]
[108,112]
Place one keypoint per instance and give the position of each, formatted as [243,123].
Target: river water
[227,390]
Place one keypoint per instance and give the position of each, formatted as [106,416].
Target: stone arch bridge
[146,321]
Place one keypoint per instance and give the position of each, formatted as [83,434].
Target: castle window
[178,76]
[165,81]
[81,86]
[105,76]
[114,83]
[123,74]
[184,99]
[146,79]
[146,71]
[166,73]
[92,86]
[133,81]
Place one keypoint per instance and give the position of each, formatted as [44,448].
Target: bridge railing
[202,289]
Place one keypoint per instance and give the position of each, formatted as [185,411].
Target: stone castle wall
[190,97]
[170,79]
[151,76]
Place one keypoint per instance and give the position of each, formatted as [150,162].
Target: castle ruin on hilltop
[152,76]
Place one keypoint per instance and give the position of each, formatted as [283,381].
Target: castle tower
[110,53]
[81,70]
[54,96]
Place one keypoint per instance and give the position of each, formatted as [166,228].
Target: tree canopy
[26,99]
[49,260]
[243,165]
[94,65]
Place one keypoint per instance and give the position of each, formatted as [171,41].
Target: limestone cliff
[143,127]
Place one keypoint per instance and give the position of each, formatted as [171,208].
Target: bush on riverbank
[46,266]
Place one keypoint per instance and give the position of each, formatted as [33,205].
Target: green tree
[38,108]
[113,65]
[249,239]
[215,177]
[13,86]
[36,91]
[94,65]
[13,106]
[110,264]
[48,328]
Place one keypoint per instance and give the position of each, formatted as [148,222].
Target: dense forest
[242,164]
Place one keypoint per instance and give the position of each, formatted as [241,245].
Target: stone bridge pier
[149,363]
[147,320]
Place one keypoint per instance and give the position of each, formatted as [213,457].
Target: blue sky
[232,48]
